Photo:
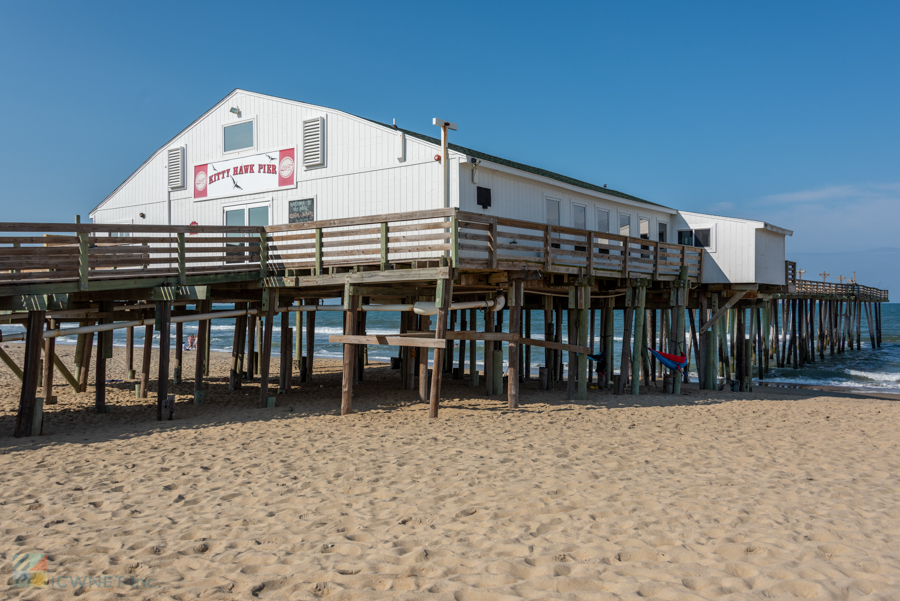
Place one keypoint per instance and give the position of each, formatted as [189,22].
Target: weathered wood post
[526,348]
[310,339]
[424,325]
[79,352]
[463,326]
[234,375]
[270,303]
[473,350]
[251,346]
[516,300]
[593,319]
[129,353]
[678,326]
[625,362]
[443,298]
[639,298]
[26,417]
[794,346]
[49,360]
[104,352]
[179,344]
[760,360]
[703,350]
[199,368]
[163,320]
[146,357]
[548,336]
[489,352]
[878,324]
[572,327]
[287,346]
[351,304]
[207,339]
[298,340]
[583,312]
[652,340]
[86,358]
[712,347]
[608,315]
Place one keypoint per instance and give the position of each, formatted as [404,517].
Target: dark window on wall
[484,197]
[702,238]
[686,237]
[663,232]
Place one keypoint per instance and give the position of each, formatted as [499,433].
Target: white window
[663,229]
[314,143]
[239,136]
[624,224]
[602,220]
[579,216]
[645,228]
[552,211]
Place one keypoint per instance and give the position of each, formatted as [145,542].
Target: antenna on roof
[395,124]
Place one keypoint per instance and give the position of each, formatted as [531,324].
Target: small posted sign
[301,211]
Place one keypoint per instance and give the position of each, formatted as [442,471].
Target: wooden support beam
[584,314]
[49,361]
[145,360]
[129,353]
[164,409]
[607,315]
[234,374]
[25,419]
[179,348]
[388,340]
[678,322]
[473,364]
[199,368]
[251,346]
[516,299]
[443,297]
[625,362]
[640,294]
[104,352]
[11,364]
[310,340]
[463,327]
[65,372]
[728,305]
[86,359]
[270,301]
[285,376]
[351,305]
[573,348]
[489,351]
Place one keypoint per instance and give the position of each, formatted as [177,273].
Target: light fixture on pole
[236,111]
[445,159]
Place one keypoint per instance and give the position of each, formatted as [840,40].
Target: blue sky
[786,112]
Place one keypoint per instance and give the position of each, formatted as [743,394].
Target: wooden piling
[652,341]
[443,298]
[146,357]
[287,349]
[265,351]
[516,299]
[608,317]
[463,326]
[179,344]
[104,352]
[488,354]
[49,360]
[584,314]
[234,375]
[794,345]
[678,325]
[30,375]
[424,384]
[548,335]
[163,318]
[207,339]
[310,340]
[878,324]
[625,362]
[351,304]
[712,347]
[86,359]
[129,352]
[199,368]
[572,328]
[473,351]
[639,316]
[298,342]
[251,345]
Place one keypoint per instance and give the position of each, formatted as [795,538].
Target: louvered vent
[314,142]
[176,167]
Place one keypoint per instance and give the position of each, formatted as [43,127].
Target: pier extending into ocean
[435,269]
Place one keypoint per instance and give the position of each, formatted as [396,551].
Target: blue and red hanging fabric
[671,361]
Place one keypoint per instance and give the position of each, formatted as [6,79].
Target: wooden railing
[32,253]
[812,288]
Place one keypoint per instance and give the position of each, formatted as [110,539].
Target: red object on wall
[200,181]
[286,167]
[194,223]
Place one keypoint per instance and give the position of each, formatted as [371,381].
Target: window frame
[238,122]
[702,226]
[658,224]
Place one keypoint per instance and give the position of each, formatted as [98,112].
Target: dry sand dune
[718,496]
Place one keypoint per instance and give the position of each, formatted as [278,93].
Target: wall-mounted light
[142,216]
[236,111]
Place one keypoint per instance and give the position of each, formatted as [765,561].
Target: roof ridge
[522,166]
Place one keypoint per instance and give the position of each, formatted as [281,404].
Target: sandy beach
[705,496]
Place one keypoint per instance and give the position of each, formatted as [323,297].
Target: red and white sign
[246,175]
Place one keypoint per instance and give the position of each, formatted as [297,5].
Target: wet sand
[774,494]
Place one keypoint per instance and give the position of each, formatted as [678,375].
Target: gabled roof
[455,147]
[522,167]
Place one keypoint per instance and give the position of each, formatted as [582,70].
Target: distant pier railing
[826,290]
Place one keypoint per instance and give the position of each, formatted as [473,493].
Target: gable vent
[176,167]
[314,142]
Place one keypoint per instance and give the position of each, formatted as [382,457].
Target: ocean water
[863,369]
